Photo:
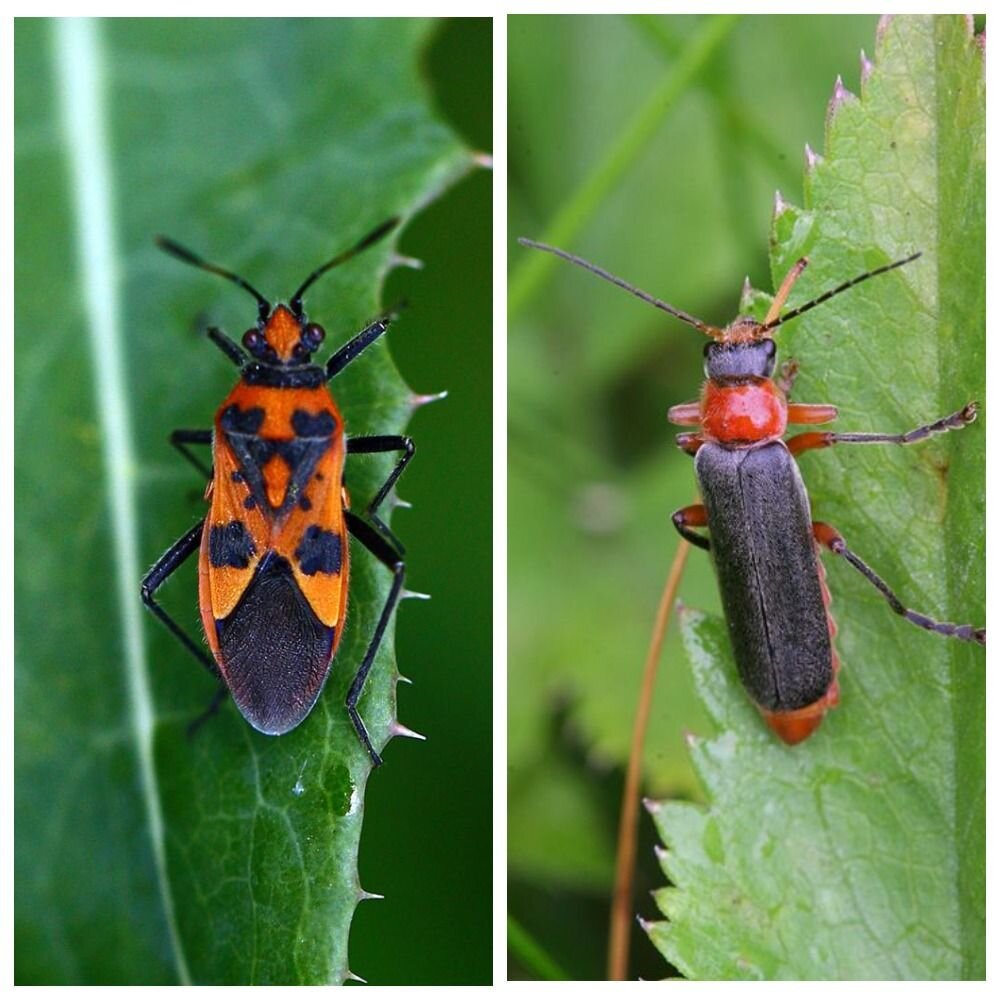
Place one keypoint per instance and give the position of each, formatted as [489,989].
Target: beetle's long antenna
[710,331]
[836,291]
[182,253]
[295,303]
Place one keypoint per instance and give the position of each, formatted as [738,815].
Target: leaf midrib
[78,60]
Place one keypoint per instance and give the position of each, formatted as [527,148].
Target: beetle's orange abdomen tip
[797,725]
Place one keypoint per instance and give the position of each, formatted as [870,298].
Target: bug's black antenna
[710,331]
[295,303]
[182,253]
[836,291]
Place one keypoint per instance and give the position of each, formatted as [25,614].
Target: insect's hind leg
[831,539]
[213,707]
[389,556]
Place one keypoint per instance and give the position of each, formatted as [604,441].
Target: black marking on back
[319,551]
[242,421]
[301,454]
[765,556]
[230,545]
[273,650]
[321,424]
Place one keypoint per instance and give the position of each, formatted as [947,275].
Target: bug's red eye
[312,336]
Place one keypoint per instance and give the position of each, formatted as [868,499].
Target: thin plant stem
[621,901]
[740,120]
[532,270]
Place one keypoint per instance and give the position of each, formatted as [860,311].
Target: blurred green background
[426,841]
[679,205]
[428,835]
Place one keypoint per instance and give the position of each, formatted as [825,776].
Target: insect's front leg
[339,361]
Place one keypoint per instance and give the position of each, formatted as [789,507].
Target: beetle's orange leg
[685,414]
[830,538]
[823,439]
[787,375]
[687,518]
[811,413]
[690,442]
[805,442]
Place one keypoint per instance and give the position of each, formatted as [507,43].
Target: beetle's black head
[283,338]
[726,359]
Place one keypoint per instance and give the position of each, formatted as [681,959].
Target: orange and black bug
[273,550]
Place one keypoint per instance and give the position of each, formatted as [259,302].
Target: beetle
[273,555]
[761,535]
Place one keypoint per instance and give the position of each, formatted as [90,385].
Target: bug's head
[740,358]
[283,338]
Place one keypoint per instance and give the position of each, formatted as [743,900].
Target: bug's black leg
[687,518]
[165,566]
[339,361]
[228,346]
[376,444]
[824,439]
[831,539]
[390,557]
[213,708]
[181,438]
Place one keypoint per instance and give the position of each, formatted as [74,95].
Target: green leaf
[144,856]
[860,853]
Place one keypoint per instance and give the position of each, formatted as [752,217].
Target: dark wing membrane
[762,542]
[274,652]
